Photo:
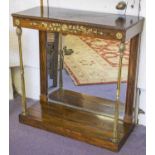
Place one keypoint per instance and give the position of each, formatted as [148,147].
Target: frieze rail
[69,28]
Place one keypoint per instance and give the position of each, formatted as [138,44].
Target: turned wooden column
[43,66]
[132,79]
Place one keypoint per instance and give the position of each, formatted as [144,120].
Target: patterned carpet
[92,60]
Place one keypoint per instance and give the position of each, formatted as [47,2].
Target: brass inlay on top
[119,35]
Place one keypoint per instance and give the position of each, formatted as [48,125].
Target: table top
[103,20]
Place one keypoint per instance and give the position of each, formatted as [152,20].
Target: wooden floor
[75,123]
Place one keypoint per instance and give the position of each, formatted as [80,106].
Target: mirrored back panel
[83,73]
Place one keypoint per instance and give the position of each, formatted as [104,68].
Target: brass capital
[17,22]
[19,31]
[122,47]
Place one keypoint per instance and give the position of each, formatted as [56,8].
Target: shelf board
[88,127]
[86,102]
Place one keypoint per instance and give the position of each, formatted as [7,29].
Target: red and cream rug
[94,61]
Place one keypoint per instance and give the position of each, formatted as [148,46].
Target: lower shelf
[88,127]
[86,102]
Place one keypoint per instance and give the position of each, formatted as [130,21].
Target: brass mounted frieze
[34,24]
[70,28]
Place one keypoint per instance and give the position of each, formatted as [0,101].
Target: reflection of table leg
[51,62]
[61,61]
[55,59]
[43,66]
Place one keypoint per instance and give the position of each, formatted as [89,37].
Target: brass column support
[42,7]
[61,61]
[19,33]
[41,3]
[117,103]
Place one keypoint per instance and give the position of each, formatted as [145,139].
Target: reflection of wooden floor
[87,102]
[77,124]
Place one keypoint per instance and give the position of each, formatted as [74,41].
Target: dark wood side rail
[132,77]
[43,66]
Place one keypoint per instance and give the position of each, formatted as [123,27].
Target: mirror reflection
[87,73]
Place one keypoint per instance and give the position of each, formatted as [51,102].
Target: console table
[87,118]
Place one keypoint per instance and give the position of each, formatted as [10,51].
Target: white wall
[93,5]
[30,50]
[30,40]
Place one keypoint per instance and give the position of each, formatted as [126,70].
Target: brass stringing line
[116,115]
[19,33]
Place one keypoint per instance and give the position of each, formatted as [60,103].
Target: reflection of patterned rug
[94,61]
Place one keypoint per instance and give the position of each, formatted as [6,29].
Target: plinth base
[85,126]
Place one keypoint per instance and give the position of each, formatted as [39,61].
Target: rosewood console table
[70,113]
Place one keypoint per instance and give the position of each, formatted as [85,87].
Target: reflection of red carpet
[94,60]
[107,49]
